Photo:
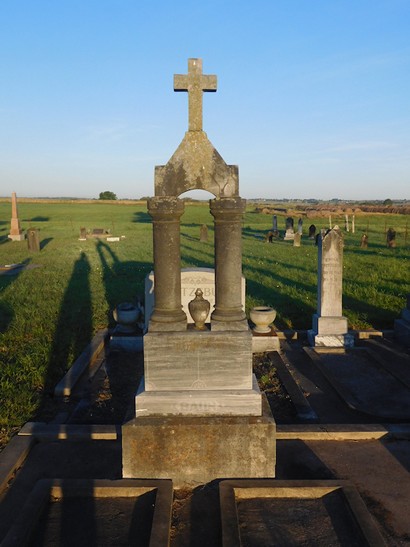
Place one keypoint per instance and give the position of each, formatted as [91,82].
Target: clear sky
[313,96]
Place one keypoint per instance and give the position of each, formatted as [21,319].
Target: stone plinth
[198,360]
[199,450]
[329,326]
[217,402]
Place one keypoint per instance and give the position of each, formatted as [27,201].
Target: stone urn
[199,310]
[262,316]
[126,315]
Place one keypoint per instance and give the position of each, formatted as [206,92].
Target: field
[51,310]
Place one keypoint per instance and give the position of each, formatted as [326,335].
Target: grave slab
[320,513]
[56,507]
[362,382]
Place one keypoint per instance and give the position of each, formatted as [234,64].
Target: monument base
[126,342]
[199,450]
[330,340]
[221,402]
[17,237]
[402,331]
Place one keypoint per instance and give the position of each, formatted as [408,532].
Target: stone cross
[194,83]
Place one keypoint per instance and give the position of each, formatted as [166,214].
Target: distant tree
[388,202]
[107,195]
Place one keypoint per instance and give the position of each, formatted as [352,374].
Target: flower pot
[262,316]
[126,315]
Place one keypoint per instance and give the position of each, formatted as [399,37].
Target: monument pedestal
[197,450]
[330,332]
[17,237]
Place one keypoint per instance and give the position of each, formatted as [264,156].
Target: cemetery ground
[52,307]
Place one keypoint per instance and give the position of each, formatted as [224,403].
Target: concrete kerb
[302,406]
[90,355]
[342,432]
[48,489]
[233,490]
[43,432]
[13,457]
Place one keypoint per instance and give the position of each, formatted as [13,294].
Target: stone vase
[199,310]
[126,315]
[263,317]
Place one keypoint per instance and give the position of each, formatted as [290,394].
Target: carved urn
[263,317]
[126,315]
[199,309]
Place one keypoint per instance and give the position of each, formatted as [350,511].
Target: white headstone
[191,280]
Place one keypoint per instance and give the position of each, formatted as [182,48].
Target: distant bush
[107,195]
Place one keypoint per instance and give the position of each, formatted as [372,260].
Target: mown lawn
[50,312]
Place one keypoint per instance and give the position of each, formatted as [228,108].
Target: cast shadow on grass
[142,217]
[6,279]
[122,280]
[37,219]
[74,326]
[45,242]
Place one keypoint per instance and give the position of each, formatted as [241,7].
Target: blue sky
[313,96]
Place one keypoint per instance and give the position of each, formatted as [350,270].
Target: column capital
[227,208]
[166,208]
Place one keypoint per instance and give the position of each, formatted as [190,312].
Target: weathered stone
[197,450]
[312,231]
[329,326]
[203,233]
[364,241]
[300,226]
[191,279]
[227,213]
[297,239]
[289,234]
[198,360]
[166,213]
[33,240]
[16,233]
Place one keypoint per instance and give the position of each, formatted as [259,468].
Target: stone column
[227,213]
[166,213]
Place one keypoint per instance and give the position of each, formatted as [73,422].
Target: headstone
[275,223]
[364,241]
[199,395]
[300,226]
[330,222]
[99,232]
[402,325]
[16,233]
[391,238]
[353,224]
[329,325]
[83,234]
[297,239]
[269,237]
[191,280]
[347,223]
[203,233]
[33,240]
[312,231]
[289,234]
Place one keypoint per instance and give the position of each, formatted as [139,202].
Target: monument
[290,233]
[329,325]
[199,412]
[16,233]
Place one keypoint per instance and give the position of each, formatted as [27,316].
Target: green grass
[49,313]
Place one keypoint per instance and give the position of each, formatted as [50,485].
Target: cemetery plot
[362,382]
[95,512]
[265,512]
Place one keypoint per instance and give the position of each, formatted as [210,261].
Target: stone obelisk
[16,233]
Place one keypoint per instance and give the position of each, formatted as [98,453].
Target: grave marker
[297,239]
[16,233]
[289,234]
[203,233]
[329,325]
[33,240]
